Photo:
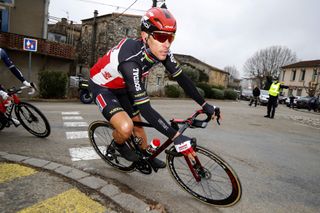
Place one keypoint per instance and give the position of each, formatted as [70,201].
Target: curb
[124,200]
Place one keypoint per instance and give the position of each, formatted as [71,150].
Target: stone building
[64,32]
[217,76]
[101,33]
[158,78]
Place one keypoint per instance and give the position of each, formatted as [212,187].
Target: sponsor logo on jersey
[136,79]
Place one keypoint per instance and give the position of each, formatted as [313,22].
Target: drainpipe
[45,19]
[93,38]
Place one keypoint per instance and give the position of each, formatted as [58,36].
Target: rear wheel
[218,185]
[100,135]
[32,119]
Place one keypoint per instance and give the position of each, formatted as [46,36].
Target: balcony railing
[45,47]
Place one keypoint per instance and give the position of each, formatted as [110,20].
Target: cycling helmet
[158,19]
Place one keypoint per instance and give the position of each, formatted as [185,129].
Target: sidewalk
[35,185]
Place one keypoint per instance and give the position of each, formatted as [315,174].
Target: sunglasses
[163,37]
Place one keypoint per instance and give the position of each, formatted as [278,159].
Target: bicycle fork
[196,168]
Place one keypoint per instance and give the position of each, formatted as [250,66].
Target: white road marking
[72,118]
[84,153]
[77,135]
[75,124]
[70,113]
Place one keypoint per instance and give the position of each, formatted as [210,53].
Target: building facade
[21,17]
[20,20]
[301,77]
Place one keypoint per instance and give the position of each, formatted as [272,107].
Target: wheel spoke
[101,139]
[215,186]
[32,119]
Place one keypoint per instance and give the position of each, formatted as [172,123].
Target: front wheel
[100,136]
[218,185]
[32,119]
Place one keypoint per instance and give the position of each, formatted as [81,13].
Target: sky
[221,32]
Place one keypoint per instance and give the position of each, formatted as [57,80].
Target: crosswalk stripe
[77,135]
[84,153]
[75,124]
[10,171]
[72,118]
[70,201]
[70,113]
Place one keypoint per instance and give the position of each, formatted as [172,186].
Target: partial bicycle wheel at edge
[220,185]
[100,135]
[32,119]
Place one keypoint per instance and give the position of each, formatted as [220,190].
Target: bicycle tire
[212,189]
[100,136]
[32,119]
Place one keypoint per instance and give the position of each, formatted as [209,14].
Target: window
[283,74]
[158,81]
[127,31]
[290,92]
[314,75]
[293,75]
[302,74]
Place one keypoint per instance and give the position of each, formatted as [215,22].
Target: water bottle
[154,145]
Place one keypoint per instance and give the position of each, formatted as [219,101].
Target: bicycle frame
[185,125]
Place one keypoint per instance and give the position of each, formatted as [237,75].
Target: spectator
[256,94]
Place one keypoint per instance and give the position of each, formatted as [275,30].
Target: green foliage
[172,91]
[217,93]
[52,84]
[230,94]
[192,73]
[203,77]
[206,88]
[201,92]
[217,87]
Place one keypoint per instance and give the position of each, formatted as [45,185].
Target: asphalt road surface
[277,160]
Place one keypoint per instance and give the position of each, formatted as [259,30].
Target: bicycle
[29,116]
[209,178]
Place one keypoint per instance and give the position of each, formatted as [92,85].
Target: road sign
[30,44]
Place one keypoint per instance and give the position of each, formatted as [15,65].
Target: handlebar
[192,121]
[15,90]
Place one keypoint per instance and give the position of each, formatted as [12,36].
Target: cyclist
[6,99]
[117,82]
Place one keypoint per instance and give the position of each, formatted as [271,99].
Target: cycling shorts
[112,101]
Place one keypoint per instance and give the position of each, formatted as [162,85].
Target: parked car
[303,102]
[310,103]
[264,97]
[314,104]
[246,94]
[282,99]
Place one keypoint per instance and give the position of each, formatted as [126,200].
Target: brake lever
[33,89]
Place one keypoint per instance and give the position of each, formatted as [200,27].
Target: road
[277,160]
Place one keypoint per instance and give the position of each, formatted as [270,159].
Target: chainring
[144,167]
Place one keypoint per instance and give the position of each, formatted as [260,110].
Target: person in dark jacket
[256,94]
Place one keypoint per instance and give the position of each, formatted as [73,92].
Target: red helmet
[158,19]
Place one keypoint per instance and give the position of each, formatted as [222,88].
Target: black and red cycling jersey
[124,68]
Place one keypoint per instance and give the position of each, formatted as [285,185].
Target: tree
[232,70]
[268,62]
[312,89]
